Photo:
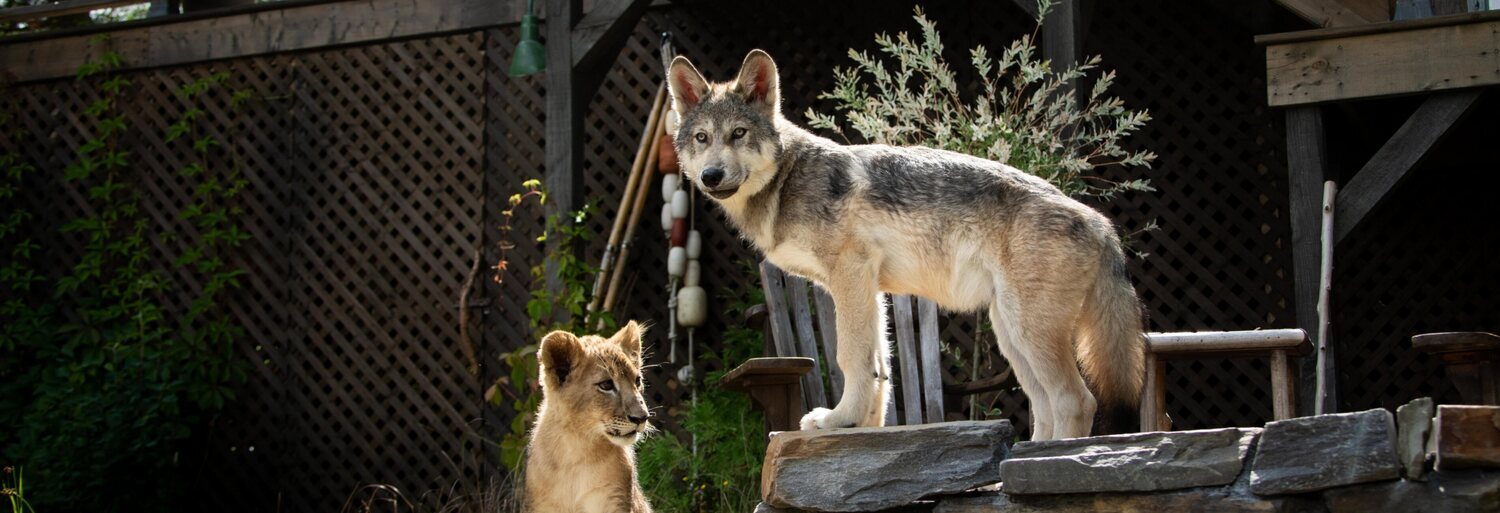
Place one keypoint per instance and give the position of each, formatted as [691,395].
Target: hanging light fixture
[530,57]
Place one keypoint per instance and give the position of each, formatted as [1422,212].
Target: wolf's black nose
[636,419]
[712,176]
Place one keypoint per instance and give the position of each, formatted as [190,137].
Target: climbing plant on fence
[105,380]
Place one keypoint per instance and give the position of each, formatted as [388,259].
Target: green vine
[565,310]
[117,379]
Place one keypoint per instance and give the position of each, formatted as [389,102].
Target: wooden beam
[250,30]
[1403,152]
[566,102]
[1431,54]
[1307,156]
[598,36]
[32,12]
[1027,5]
[1339,13]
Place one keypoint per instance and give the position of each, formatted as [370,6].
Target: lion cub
[582,456]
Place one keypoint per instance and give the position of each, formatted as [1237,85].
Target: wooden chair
[1280,346]
[789,384]
[1472,360]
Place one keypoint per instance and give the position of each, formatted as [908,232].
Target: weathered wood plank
[597,37]
[1260,342]
[1338,13]
[32,12]
[1423,59]
[256,30]
[776,305]
[1154,397]
[1467,436]
[932,359]
[796,289]
[829,333]
[911,363]
[1306,168]
[1283,400]
[1404,151]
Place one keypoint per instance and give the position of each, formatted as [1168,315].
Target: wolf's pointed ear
[687,85]
[630,337]
[559,356]
[758,82]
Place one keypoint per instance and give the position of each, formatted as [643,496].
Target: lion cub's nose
[636,419]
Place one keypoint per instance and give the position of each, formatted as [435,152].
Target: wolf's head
[727,140]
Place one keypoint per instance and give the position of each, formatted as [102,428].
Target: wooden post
[1283,401]
[1154,397]
[1306,168]
[1327,379]
[564,129]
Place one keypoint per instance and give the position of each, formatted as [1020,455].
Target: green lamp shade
[530,56]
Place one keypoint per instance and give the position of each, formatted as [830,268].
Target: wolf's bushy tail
[1112,345]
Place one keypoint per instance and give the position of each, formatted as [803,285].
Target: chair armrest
[1453,342]
[766,371]
[1227,344]
[755,316]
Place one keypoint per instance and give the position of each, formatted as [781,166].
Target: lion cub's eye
[737,133]
[606,386]
[701,137]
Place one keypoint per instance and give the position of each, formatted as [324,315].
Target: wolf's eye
[737,133]
[606,386]
[701,137]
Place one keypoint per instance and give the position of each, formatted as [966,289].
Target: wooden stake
[1327,397]
[626,202]
[643,188]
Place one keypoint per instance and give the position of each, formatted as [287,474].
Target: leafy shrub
[1021,115]
[104,381]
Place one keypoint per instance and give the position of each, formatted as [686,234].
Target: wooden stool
[1472,360]
[1278,345]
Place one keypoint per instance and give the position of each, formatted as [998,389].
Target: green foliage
[13,488]
[1021,116]
[564,309]
[105,381]
[724,475]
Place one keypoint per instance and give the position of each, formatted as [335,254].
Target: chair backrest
[802,320]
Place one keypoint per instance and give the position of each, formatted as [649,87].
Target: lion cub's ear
[629,338]
[559,355]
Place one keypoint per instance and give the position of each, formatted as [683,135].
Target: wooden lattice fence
[378,170]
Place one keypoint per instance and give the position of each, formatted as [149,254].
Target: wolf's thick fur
[968,233]
[582,457]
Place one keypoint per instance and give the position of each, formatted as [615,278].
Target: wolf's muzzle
[712,177]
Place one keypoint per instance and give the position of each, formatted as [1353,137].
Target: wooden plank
[796,290]
[1201,342]
[1283,399]
[910,387]
[251,30]
[1435,58]
[1062,40]
[1154,398]
[932,359]
[1455,341]
[597,37]
[1306,168]
[32,12]
[1404,151]
[1338,13]
[1326,381]
[829,333]
[781,322]
[1373,28]
[565,104]
[1467,436]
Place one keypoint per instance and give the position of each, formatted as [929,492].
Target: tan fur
[1048,268]
[582,457]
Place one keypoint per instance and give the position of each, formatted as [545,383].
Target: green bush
[724,474]
[103,380]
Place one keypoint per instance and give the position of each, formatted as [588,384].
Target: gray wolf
[581,458]
[968,233]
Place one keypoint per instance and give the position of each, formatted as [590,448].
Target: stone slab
[1449,492]
[1234,498]
[1413,425]
[1307,454]
[872,469]
[1131,462]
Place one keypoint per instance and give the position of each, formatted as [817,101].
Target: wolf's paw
[824,418]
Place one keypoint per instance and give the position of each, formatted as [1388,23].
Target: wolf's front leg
[863,356]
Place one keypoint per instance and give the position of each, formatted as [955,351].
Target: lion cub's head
[594,385]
